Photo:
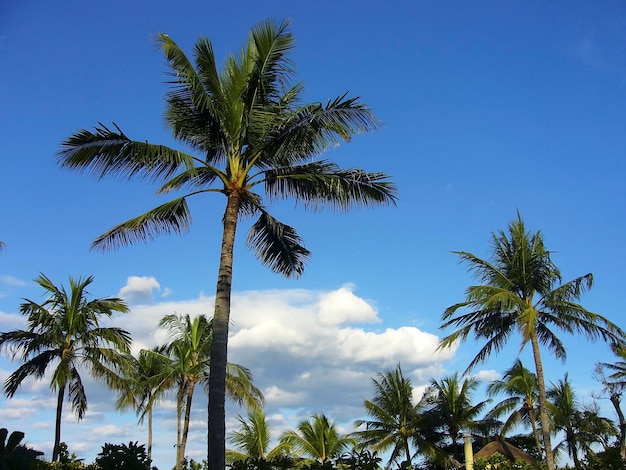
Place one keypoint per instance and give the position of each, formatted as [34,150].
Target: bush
[122,456]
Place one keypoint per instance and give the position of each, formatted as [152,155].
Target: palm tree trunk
[57,428]
[150,435]
[543,403]
[219,345]
[183,442]
[615,400]
[179,412]
[533,426]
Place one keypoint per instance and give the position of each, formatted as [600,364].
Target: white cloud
[487,375]
[12,281]
[342,306]
[139,290]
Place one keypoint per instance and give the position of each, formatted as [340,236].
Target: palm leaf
[171,217]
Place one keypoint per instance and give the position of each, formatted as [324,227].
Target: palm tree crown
[520,293]
[64,332]
[250,134]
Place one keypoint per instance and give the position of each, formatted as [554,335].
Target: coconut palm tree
[564,407]
[521,293]
[249,133]
[189,365]
[142,383]
[450,401]
[396,421]
[614,385]
[520,385]
[317,439]
[253,439]
[63,333]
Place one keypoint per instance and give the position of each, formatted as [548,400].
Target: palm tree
[63,332]
[396,421]
[520,385]
[520,292]
[564,408]
[142,383]
[614,385]
[249,132]
[317,439]
[252,441]
[450,401]
[189,365]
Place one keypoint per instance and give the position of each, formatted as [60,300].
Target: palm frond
[323,184]
[106,152]
[171,217]
[277,246]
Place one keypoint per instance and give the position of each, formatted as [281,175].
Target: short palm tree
[520,385]
[317,439]
[450,401]
[520,292]
[189,365]
[614,385]
[252,441]
[63,333]
[249,134]
[395,421]
[142,382]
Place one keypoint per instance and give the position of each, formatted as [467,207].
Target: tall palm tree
[520,385]
[253,439]
[63,333]
[317,439]
[396,421]
[450,401]
[520,293]
[142,382]
[249,133]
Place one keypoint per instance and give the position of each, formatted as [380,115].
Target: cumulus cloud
[139,290]
[309,352]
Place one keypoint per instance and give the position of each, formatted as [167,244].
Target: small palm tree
[250,134]
[64,333]
[614,385]
[317,439]
[189,365]
[395,421]
[520,385]
[142,383]
[520,293]
[450,401]
[253,439]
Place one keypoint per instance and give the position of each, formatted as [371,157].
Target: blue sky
[488,108]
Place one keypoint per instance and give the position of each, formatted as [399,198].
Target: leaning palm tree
[252,441]
[317,439]
[520,386]
[520,293]
[249,133]
[64,334]
[450,400]
[395,421]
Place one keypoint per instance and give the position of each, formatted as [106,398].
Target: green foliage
[13,454]
[193,465]
[122,456]
[608,460]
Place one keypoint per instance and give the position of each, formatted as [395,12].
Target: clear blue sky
[489,108]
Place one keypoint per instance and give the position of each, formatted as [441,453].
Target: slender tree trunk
[615,400]
[150,435]
[533,426]
[219,344]
[543,404]
[183,442]
[57,428]
[179,412]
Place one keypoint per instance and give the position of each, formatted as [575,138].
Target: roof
[506,449]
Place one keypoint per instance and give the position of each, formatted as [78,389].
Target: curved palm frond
[171,217]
